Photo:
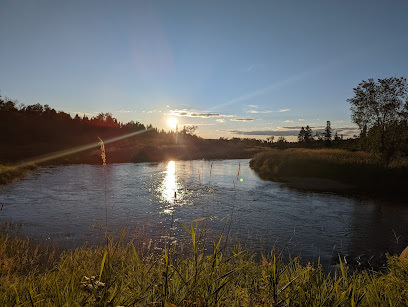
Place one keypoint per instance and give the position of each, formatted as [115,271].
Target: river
[66,205]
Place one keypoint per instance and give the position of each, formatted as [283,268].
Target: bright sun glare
[172,122]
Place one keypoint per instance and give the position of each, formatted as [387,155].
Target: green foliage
[119,275]
[381,107]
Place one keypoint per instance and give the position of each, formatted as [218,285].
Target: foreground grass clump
[8,174]
[121,274]
[362,170]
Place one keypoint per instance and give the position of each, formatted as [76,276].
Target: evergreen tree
[327,132]
[308,134]
[302,135]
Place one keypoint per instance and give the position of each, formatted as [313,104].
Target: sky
[231,68]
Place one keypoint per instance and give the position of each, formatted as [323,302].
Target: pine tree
[301,135]
[308,134]
[327,132]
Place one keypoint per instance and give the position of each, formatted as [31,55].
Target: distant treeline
[45,124]
[32,130]
[22,126]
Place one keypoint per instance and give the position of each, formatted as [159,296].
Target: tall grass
[9,174]
[103,156]
[362,170]
[121,275]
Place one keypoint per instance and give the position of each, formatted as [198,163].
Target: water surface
[66,204]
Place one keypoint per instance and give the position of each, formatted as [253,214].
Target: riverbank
[9,174]
[130,273]
[333,170]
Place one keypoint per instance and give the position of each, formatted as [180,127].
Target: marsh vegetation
[130,274]
[363,172]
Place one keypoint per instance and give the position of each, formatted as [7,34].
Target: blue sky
[233,68]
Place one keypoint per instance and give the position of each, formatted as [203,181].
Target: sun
[172,122]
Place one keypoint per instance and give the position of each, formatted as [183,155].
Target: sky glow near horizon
[232,68]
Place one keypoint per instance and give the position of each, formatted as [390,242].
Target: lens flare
[63,153]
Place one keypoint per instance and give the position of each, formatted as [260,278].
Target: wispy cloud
[151,111]
[194,113]
[288,121]
[254,67]
[250,68]
[300,119]
[274,86]
[244,119]
[261,110]
[220,120]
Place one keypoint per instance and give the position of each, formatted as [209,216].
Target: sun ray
[63,153]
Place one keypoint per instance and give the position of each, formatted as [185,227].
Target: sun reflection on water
[171,189]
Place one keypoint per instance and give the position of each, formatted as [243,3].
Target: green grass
[8,174]
[120,274]
[362,170]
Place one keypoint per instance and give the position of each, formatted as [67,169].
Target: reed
[9,174]
[103,156]
[362,170]
[121,275]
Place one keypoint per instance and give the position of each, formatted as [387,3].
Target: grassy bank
[8,174]
[362,171]
[124,275]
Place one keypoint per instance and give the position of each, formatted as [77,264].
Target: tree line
[306,135]
[379,108]
[29,130]
[33,130]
